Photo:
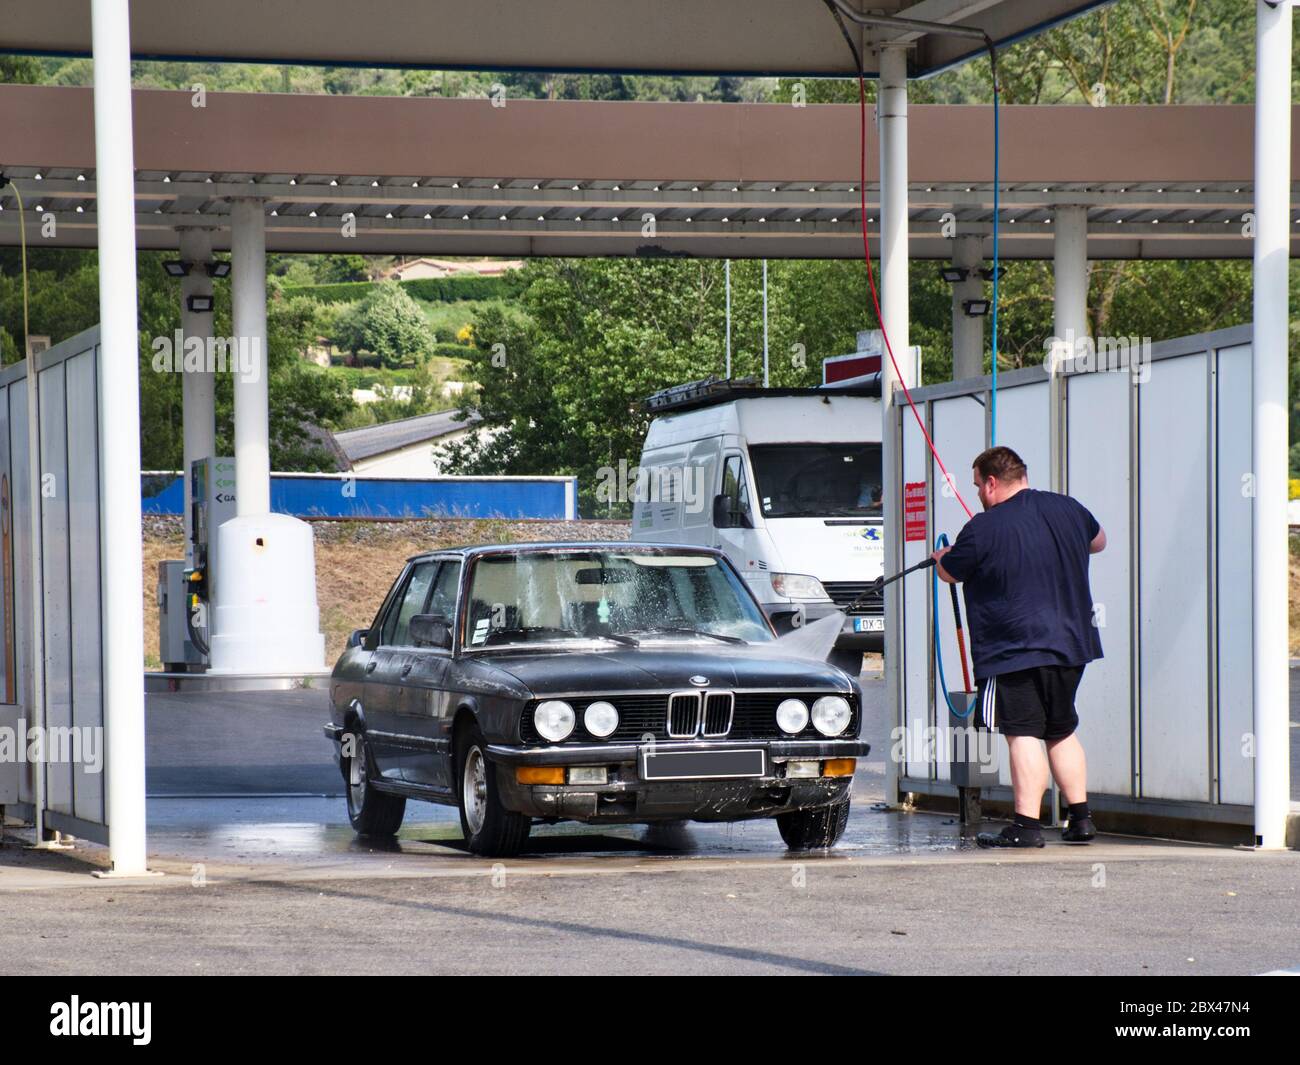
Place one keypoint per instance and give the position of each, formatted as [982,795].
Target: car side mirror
[431,630]
[357,637]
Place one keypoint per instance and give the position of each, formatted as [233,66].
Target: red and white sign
[914,502]
[839,368]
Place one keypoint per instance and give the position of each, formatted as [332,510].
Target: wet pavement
[261,873]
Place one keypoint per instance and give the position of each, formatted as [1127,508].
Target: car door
[424,710]
[389,665]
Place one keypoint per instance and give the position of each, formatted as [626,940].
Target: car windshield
[621,597]
[816,480]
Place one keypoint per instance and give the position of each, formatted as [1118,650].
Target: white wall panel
[1173,599]
[1099,477]
[1234,557]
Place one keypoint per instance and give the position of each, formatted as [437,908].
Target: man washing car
[1024,567]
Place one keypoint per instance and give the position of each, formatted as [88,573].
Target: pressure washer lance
[879,583]
[874,588]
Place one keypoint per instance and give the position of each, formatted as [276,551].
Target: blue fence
[334,496]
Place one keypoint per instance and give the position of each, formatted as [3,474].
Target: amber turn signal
[539,774]
[839,767]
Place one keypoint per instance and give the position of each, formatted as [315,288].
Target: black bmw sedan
[595,682]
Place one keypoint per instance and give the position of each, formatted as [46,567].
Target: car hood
[652,669]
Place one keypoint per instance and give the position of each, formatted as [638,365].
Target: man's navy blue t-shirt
[1023,565]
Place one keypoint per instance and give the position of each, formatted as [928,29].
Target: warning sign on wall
[914,511]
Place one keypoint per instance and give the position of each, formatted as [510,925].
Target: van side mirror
[431,630]
[721,512]
[357,637]
[727,517]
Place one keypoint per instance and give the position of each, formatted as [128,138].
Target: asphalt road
[263,875]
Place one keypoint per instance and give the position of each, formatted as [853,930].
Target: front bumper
[628,798]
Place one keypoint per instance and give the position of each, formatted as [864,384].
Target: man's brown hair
[1000,462]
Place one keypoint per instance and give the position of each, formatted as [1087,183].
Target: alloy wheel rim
[474,789]
[357,776]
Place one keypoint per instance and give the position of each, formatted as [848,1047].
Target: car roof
[563,545]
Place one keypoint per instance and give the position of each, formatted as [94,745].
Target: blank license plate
[868,624]
[701,765]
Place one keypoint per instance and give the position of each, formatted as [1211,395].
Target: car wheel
[372,813]
[489,828]
[815,828]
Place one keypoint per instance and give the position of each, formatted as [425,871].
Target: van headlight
[600,719]
[792,715]
[831,715]
[554,719]
[798,586]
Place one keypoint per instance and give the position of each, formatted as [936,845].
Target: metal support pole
[1269,358]
[1070,323]
[198,393]
[119,456]
[967,331]
[765,360]
[891,119]
[727,282]
[252,420]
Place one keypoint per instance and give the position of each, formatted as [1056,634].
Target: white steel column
[119,456]
[1069,322]
[265,619]
[1269,366]
[252,421]
[198,395]
[967,331]
[1070,274]
[891,121]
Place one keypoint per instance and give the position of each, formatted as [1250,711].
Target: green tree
[387,323]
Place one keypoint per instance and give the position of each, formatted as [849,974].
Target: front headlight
[792,715]
[798,586]
[600,719]
[831,715]
[554,719]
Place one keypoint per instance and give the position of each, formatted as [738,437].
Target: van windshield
[816,480]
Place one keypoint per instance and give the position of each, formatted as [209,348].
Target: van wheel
[814,829]
[372,813]
[489,828]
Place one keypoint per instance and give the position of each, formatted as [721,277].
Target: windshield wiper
[529,630]
[692,632]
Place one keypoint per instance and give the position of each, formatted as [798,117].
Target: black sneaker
[1011,836]
[1080,831]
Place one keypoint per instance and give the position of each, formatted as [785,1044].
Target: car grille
[843,593]
[739,716]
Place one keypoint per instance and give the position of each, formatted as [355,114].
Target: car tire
[372,812]
[815,828]
[489,828]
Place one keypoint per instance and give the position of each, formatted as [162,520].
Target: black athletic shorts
[1031,702]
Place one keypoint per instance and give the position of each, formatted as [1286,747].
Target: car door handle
[370,666]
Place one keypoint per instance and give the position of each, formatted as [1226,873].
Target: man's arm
[944,575]
[1098,542]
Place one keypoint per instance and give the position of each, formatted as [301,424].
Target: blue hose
[993,401]
[942,541]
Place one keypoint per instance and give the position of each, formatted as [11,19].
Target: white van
[787,482]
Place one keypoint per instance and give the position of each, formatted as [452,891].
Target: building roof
[431,177]
[754,37]
[371,440]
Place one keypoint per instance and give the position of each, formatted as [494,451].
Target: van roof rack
[714,390]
